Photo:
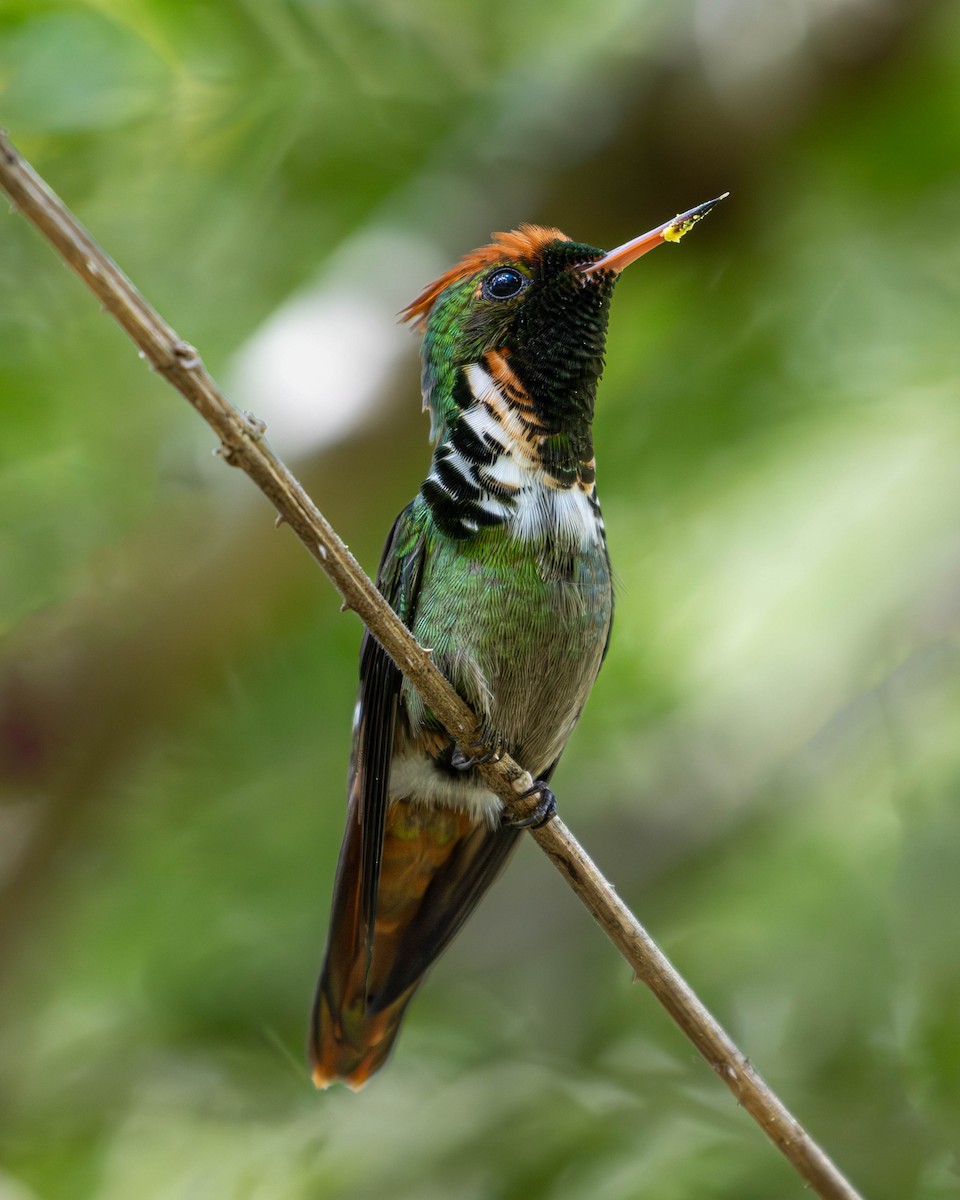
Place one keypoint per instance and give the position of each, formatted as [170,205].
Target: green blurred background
[769,766]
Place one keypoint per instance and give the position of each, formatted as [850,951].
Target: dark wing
[343,1042]
[398,578]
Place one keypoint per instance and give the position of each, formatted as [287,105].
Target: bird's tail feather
[434,865]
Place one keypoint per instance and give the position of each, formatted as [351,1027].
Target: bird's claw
[463,762]
[545,811]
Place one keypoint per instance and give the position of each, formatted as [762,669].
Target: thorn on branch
[280,520]
[186,356]
[346,607]
[227,453]
[258,427]
[183,357]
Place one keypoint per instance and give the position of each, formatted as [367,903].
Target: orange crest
[521,245]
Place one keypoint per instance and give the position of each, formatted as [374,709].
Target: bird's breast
[518,626]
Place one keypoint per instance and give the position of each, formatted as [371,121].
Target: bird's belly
[421,779]
[521,638]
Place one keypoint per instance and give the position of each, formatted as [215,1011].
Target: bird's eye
[503,283]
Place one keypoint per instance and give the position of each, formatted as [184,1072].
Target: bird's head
[533,299]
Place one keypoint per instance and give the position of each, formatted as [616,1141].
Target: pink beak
[669,231]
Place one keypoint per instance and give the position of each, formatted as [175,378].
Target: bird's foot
[545,811]
[463,762]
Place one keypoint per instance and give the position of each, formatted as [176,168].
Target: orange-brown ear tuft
[517,245]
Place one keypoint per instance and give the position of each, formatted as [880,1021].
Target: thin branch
[242,445]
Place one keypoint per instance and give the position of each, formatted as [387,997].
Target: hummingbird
[500,567]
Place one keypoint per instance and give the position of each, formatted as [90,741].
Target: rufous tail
[435,864]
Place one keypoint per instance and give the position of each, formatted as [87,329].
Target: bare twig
[242,445]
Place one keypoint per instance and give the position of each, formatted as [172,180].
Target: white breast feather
[538,505]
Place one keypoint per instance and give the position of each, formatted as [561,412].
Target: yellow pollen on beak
[673,233]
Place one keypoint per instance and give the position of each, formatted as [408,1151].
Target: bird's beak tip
[670,231]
